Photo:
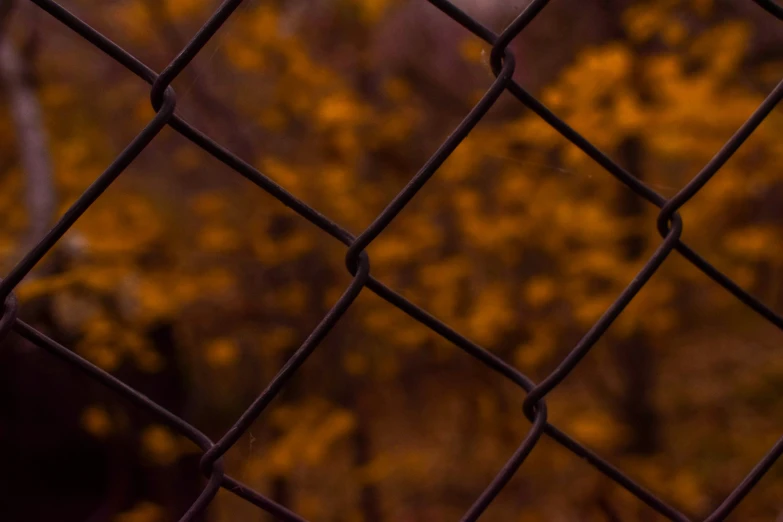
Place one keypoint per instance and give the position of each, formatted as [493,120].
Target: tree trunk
[362,440]
[634,356]
[31,139]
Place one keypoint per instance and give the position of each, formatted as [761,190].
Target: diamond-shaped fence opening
[358,263]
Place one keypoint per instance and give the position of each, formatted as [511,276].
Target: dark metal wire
[670,226]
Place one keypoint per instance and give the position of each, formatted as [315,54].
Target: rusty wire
[670,226]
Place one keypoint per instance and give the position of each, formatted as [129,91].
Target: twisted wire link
[669,224]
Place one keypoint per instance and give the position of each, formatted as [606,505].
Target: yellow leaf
[339,109]
[184,8]
[674,33]
[148,360]
[540,291]
[702,7]
[159,445]
[209,204]
[355,363]
[142,512]
[396,89]
[222,352]
[278,338]
[474,50]
[596,429]
[685,489]
[218,238]
[95,421]
[753,243]
[371,10]
[102,356]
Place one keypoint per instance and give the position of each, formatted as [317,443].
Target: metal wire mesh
[669,224]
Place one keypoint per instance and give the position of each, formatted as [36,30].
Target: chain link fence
[669,225]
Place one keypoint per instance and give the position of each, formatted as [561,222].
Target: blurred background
[194,286]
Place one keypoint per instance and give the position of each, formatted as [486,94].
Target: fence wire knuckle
[357,261]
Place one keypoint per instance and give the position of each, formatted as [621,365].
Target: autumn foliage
[195,286]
